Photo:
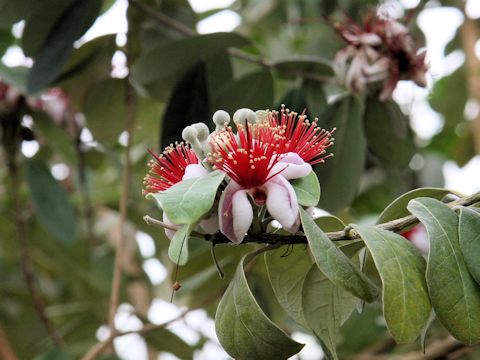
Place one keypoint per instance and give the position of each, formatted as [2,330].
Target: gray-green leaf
[178,249]
[286,274]
[398,207]
[326,307]
[334,263]
[50,202]
[307,189]
[454,294]
[406,306]
[244,330]
[469,236]
[189,200]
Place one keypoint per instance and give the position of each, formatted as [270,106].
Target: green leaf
[243,329]
[178,249]
[254,91]
[58,46]
[330,223]
[39,24]
[55,353]
[56,137]
[50,202]
[189,200]
[307,189]
[334,263]
[153,68]
[398,207]
[325,307]
[15,76]
[454,294]
[469,237]
[286,272]
[340,175]
[406,306]
[188,104]
[292,68]
[105,109]
[163,340]
[14,11]
[388,133]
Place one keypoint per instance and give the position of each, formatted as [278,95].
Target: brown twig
[120,245]
[239,54]
[161,18]
[10,130]
[397,225]
[6,349]
[470,34]
[99,347]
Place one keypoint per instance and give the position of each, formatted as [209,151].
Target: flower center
[259,196]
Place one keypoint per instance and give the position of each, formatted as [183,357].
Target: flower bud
[221,118]
[244,115]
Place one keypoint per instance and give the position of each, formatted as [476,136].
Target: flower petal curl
[235,213]
[291,166]
[282,203]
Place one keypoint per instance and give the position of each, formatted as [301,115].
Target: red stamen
[247,159]
[297,134]
[168,168]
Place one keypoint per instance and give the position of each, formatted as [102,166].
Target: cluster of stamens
[297,134]
[169,167]
[248,156]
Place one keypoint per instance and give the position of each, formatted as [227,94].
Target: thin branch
[239,54]
[11,130]
[88,209]
[397,225]
[161,18]
[6,349]
[100,347]
[127,169]
[470,34]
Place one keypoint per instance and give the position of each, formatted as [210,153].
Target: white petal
[282,203]
[210,224]
[242,214]
[235,212]
[170,233]
[291,166]
[194,171]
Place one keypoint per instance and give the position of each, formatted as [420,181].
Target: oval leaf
[388,134]
[189,200]
[178,249]
[287,273]
[244,330]
[469,236]
[334,263]
[454,294]
[398,207]
[307,189]
[58,45]
[325,307]
[50,202]
[153,66]
[406,306]
[340,175]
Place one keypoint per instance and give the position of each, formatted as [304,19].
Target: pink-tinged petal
[194,171]
[170,233]
[282,203]
[235,213]
[291,166]
[210,224]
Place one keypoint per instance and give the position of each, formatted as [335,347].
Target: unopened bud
[220,118]
[244,115]
[202,131]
